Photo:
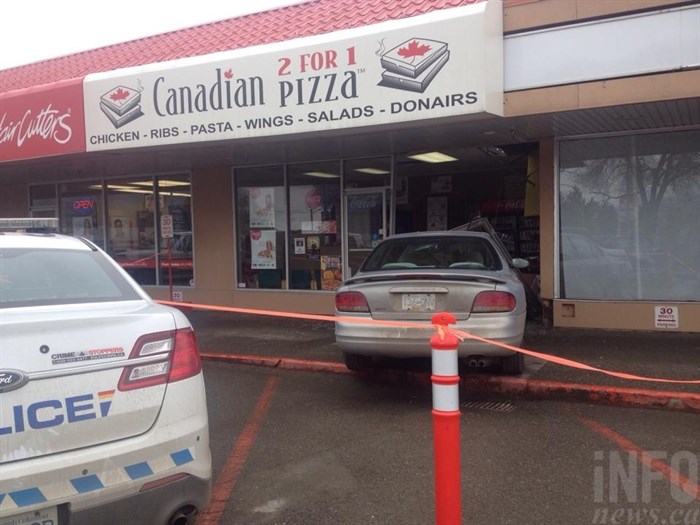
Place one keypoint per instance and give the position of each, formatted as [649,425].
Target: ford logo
[12,380]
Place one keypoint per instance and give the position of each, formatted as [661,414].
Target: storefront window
[42,200]
[315,233]
[629,215]
[261,218]
[81,210]
[131,226]
[174,198]
[133,221]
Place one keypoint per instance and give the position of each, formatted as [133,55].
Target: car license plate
[418,302]
[48,516]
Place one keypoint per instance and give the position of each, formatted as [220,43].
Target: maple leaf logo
[228,74]
[119,94]
[414,49]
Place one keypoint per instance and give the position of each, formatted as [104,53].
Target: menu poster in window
[83,227]
[120,234]
[319,227]
[299,246]
[181,217]
[331,274]
[262,207]
[313,247]
[262,249]
[441,184]
[437,213]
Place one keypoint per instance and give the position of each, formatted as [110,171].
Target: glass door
[364,225]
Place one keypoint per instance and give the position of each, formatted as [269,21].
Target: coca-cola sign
[364,202]
[43,122]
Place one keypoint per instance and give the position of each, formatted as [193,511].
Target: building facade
[572,125]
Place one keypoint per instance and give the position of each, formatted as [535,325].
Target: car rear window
[37,277]
[433,252]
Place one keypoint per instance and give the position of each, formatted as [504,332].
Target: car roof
[52,241]
[441,233]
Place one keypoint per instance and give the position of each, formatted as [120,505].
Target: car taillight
[351,302]
[488,302]
[176,357]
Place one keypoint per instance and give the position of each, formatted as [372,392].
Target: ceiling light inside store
[149,192]
[373,171]
[432,157]
[321,174]
[130,190]
[164,183]
[118,187]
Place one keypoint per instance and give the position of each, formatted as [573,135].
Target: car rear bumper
[370,339]
[114,474]
[152,506]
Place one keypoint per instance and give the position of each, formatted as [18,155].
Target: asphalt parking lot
[296,447]
[297,439]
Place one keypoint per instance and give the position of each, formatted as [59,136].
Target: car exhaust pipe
[478,361]
[183,516]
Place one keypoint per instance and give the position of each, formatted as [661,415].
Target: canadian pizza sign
[446,63]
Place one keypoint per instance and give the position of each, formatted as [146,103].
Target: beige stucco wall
[622,315]
[649,88]
[526,14]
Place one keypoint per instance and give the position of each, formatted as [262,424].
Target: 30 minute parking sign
[666,317]
[166,226]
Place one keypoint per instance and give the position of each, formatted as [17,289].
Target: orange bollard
[446,416]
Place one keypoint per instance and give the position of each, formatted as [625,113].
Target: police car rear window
[38,277]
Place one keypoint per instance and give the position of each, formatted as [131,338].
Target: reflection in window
[132,225]
[314,214]
[261,226]
[629,215]
[174,198]
[130,222]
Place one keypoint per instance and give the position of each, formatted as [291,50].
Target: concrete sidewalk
[310,345]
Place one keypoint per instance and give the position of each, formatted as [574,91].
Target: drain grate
[495,406]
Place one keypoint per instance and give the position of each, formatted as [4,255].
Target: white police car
[103,415]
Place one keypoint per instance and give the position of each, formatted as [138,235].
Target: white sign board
[441,64]
[666,317]
[166,226]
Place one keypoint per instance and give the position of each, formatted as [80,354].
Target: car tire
[357,362]
[513,365]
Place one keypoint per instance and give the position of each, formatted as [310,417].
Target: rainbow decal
[105,399]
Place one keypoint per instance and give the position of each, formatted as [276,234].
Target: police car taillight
[161,358]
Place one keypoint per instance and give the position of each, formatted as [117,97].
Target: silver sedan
[409,277]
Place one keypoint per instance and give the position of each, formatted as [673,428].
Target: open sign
[84,205]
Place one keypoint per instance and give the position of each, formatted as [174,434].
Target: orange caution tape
[442,330]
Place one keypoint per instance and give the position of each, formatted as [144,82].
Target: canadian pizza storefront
[281,166]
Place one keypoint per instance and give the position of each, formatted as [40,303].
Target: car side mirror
[519,263]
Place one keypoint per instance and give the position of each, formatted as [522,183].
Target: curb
[598,394]
[493,385]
